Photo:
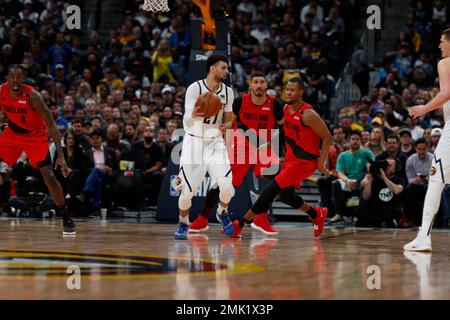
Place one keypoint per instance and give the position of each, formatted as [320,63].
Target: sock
[220,209]
[311,212]
[61,211]
[431,207]
[185,219]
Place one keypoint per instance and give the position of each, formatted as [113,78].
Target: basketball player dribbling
[255,111]
[29,124]
[440,168]
[307,141]
[204,148]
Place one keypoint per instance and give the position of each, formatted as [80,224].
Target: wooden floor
[120,260]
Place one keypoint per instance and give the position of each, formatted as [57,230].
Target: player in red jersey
[29,124]
[254,111]
[304,132]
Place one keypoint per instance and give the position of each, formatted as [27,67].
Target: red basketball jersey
[21,116]
[301,141]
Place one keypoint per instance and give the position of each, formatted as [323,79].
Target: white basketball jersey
[206,127]
[447,111]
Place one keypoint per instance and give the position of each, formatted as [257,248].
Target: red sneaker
[198,225]
[261,223]
[319,221]
[237,229]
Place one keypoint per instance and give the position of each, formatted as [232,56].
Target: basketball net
[156,6]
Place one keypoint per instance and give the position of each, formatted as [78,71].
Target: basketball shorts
[200,156]
[293,173]
[440,166]
[35,146]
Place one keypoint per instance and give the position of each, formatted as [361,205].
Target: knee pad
[185,199]
[226,189]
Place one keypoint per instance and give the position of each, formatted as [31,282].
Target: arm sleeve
[237,106]
[278,109]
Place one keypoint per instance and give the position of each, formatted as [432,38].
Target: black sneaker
[69,227]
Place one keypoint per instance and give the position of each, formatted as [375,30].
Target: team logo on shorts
[433,171]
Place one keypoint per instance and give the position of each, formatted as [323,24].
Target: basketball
[209,103]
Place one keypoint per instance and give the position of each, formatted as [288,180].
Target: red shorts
[294,172]
[268,164]
[35,146]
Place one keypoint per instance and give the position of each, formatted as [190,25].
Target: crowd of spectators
[406,77]
[118,99]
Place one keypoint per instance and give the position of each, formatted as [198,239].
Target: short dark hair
[257,74]
[421,140]
[213,59]
[77,121]
[393,136]
[298,81]
[15,66]
[356,133]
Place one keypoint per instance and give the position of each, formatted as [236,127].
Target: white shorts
[199,156]
[440,167]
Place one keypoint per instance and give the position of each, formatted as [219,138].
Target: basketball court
[130,259]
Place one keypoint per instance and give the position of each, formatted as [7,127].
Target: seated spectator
[393,152]
[324,182]
[416,131]
[103,174]
[78,133]
[113,140]
[131,134]
[376,142]
[79,167]
[153,158]
[351,170]
[381,203]
[417,168]
[166,146]
[5,184]
[434,140]
[406,146]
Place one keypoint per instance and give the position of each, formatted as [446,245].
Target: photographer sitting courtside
[381,189]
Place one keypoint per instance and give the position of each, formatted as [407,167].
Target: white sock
[431,206]
[220,209]
[184,219]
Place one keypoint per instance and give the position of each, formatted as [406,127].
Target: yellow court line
[234,267]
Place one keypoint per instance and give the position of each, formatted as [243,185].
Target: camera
[376,165]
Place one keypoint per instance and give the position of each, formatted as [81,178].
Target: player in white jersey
[440,168]
[204,148]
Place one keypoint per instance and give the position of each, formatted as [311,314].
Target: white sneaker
[337,217]
[420,243]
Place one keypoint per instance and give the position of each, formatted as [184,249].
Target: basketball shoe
[421,243]
[225,221]
[237,229]
[69,227]
[261,223]
[199,225]
[319,221]
[182,231]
